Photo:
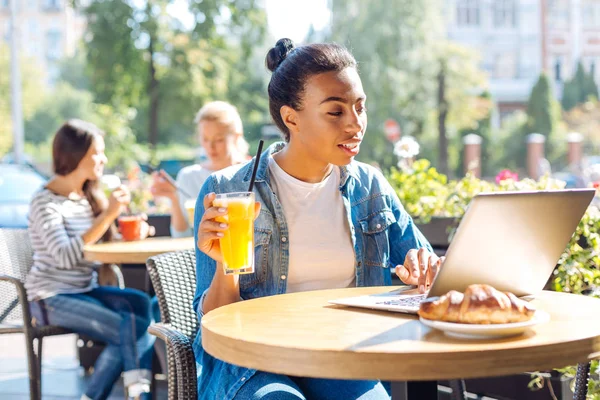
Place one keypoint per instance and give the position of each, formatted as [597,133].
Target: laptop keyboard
[413,301]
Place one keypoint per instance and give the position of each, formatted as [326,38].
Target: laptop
[509,240]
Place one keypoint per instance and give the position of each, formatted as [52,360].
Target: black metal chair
[173,276]
[16,259]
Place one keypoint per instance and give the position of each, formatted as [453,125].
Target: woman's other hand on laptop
[419,269]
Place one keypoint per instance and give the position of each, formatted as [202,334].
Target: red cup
[130,227]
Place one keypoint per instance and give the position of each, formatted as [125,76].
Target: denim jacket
[382,233]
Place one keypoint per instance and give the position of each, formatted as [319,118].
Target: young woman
[325,221]
[221,134]
[68,213]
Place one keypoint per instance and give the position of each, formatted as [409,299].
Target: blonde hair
[226,114]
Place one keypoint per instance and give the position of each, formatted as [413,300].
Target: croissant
[480,304]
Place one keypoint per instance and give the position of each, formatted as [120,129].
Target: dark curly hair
[292,66]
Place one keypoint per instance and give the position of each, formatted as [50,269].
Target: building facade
[519,39]
[48,30]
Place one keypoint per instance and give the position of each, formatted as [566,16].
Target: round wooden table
[301,334]
[136,252]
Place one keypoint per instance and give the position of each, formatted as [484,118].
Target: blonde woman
[220,132]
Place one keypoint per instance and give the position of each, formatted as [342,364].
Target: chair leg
[39,364]
[459,391]
[581,381]
[32,363]
[160,349]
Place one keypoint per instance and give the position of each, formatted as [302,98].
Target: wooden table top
[301,334]
[136,252]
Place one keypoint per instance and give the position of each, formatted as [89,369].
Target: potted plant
[437,205]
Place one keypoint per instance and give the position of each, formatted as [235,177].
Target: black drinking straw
[257,159]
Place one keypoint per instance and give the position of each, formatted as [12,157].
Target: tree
[482,128]
[579,89]
[144,57]
[459,81]
[542,110]
[396,63]
[74,71]
[31,82]
[544,117]
[570,96]
[62,103]
[409,72]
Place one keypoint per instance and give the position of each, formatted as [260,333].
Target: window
[591,14]
[505,66]
[468,12]
[505,13]
[4,3]
[558,14]
[557,71]
[53,44]
[5,31]
[52,5]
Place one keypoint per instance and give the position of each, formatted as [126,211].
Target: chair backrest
[16,259]
[173,276]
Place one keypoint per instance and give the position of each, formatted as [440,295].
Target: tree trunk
[442,116]
[153,95]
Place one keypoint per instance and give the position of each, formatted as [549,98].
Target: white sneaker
[135,390]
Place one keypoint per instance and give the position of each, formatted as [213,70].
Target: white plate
[491,331]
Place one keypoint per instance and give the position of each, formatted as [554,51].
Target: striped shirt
[56,226]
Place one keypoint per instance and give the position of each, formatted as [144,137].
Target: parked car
[18,183]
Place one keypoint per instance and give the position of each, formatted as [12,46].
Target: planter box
[436,231]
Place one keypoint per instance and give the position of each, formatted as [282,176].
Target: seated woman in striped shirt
[66,214]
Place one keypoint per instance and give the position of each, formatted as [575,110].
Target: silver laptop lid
[511,240]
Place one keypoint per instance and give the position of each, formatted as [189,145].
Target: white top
[56,227]
[321,251]
[190,179]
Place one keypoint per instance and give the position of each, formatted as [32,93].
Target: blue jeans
[267,386]
[117,317]
[155,309]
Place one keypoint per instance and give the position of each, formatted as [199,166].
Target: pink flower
[596,184]
[506,174]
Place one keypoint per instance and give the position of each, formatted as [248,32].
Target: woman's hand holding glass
[210,230]
[118,199]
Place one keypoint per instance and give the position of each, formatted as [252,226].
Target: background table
[301,334]
[132,257]
[136,252]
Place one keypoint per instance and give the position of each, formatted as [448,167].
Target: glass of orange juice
[237,244]
[190,207]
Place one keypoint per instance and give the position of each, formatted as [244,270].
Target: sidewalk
[62,378]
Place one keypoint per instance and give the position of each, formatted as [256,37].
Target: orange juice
[237,244]
[190,207]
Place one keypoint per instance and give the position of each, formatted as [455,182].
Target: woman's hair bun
[277,54]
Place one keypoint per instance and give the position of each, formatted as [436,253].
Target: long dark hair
[292,66]
[71,143]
